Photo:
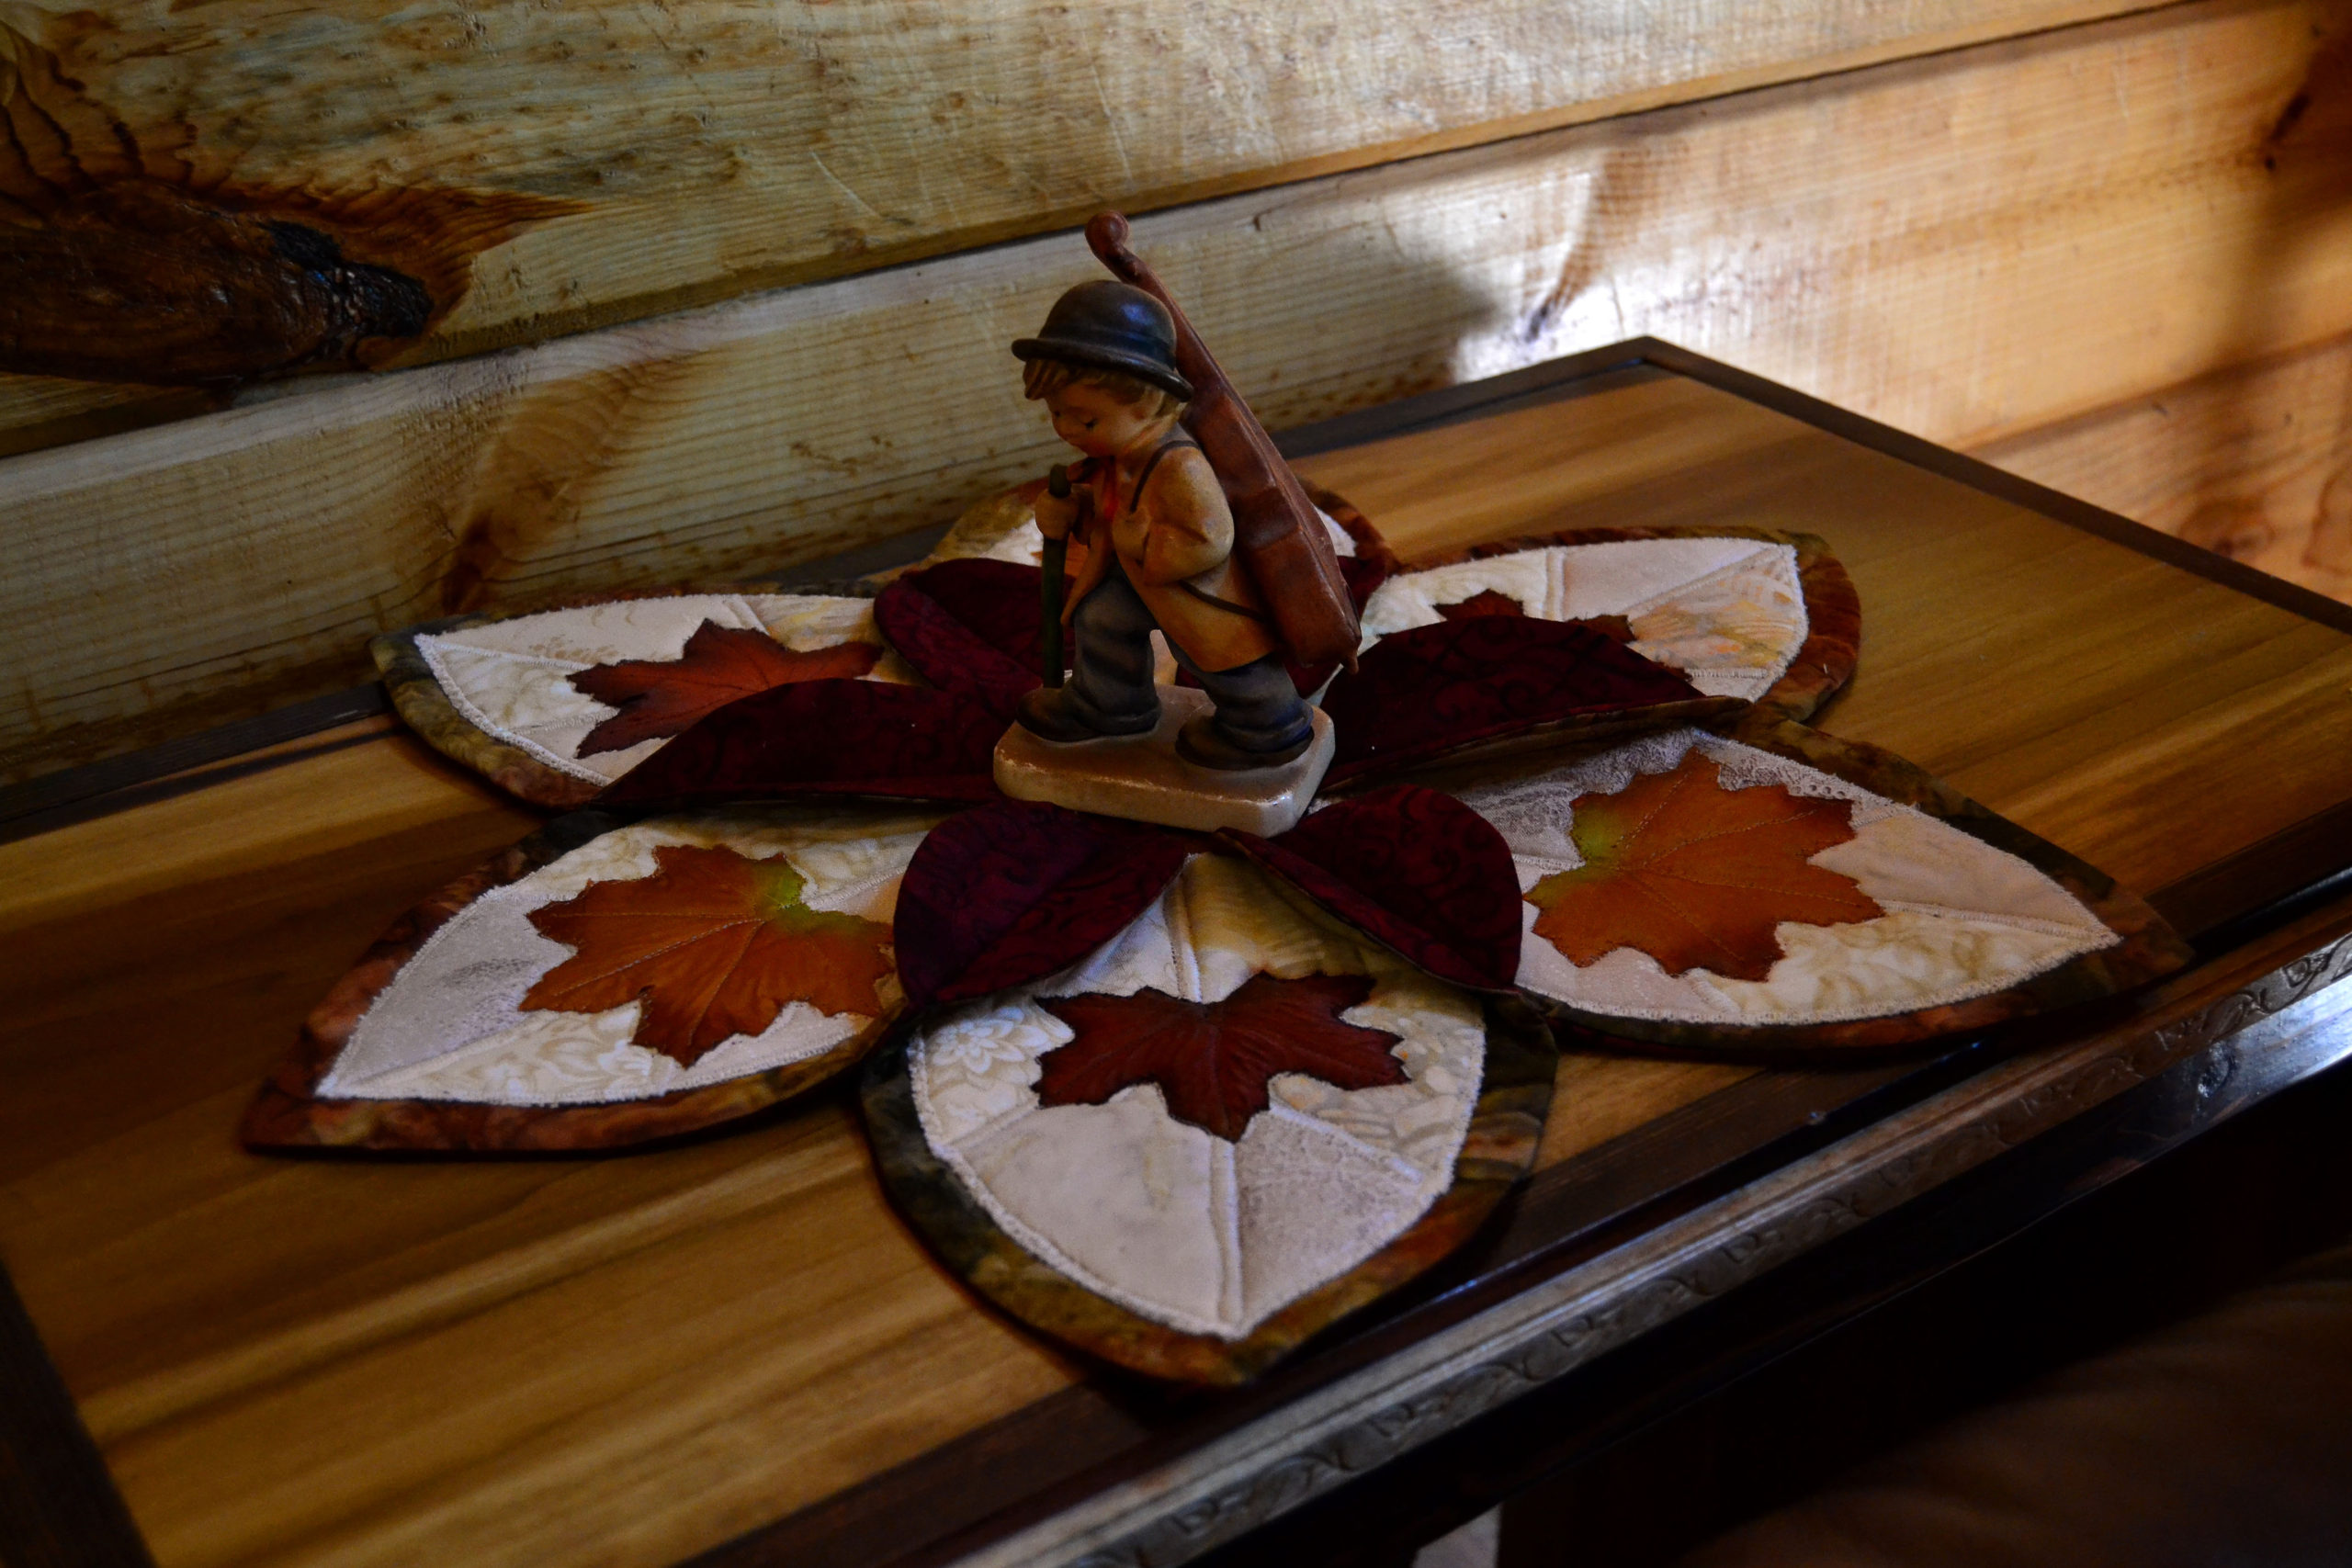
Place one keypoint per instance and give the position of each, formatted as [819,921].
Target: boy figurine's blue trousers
[1111,690]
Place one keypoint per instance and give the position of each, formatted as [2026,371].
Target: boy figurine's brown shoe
[1200,743]
[1044,712]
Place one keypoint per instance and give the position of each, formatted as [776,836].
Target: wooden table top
[640,1359]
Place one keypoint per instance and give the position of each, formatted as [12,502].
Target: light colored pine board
[2255,461]
[624,1360]
[1965,246]
[40,411]
[549,168]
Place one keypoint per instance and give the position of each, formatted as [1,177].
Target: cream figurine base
[1141,778]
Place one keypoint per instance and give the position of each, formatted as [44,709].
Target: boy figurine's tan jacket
[1174,537]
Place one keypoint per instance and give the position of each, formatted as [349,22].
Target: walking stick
[1055,553]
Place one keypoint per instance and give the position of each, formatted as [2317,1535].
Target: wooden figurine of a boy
[1158,540]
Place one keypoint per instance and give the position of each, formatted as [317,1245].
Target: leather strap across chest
[1134,496]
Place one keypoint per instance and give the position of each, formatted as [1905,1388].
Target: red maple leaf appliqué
[660,698]
[1212,1060]
[1488,602]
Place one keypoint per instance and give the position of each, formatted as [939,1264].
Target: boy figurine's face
[1100,422]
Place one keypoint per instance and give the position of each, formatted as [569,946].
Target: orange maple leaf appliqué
[659,697]
[1212,1060]
[1697,875]
[714,944]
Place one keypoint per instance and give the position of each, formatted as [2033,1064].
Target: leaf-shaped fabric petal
[1746,613]
[825,738]
[659,697]
[496,695]
[1455,688]
[1016,890]
[971,627]
[1415,870]
[433,1041]
[1977,920]
[1207,1237]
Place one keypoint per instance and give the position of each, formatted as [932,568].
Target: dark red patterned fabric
[1363,573]
[1416,870]
[967,626]
[1420,694]
[823,739]
[1015,891]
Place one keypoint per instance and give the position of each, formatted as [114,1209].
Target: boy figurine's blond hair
[1043,377]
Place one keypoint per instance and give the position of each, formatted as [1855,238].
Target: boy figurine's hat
[1111,326]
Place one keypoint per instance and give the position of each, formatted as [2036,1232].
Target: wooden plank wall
[2104,243]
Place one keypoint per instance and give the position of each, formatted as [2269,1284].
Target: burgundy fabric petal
[1417,871]
[1419,693]
[1363,573]
[967,626]
[823,739]
[1015,891]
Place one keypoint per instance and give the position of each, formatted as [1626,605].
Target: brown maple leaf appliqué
[1212,1060]
[1697,875]
[660,698]
[714,944]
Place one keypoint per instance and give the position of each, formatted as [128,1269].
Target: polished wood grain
[2254,461]
[1612,1096]
[1964,246]
[627,1360]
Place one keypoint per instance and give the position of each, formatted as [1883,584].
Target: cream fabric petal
[1168,1221]
[1411,599]
[1120,1191]
[598,634]
[450,1025]
[1728,613]
[1963,919]
[1025,545]
[528,702]
[1907,860]
[510,678]
[1309,1194]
